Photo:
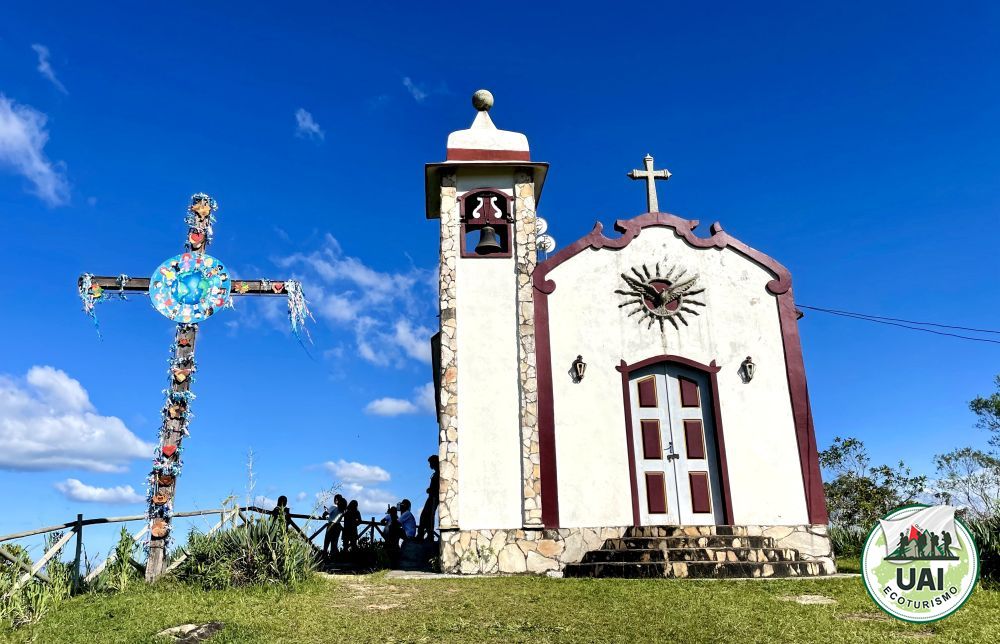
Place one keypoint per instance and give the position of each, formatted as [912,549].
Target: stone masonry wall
[473,552]
[526,258]
[448,412]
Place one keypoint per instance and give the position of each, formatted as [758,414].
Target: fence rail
[370,527]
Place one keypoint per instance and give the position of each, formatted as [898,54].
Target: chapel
[631,404]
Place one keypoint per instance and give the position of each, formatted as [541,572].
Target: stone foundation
[478,552]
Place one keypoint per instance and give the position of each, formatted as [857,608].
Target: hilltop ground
[381,608]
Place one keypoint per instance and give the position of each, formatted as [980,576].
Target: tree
[859,494]
[969,479]
[987,409]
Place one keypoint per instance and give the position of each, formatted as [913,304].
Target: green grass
[374,608]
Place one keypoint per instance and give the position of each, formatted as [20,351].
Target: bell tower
[485,194]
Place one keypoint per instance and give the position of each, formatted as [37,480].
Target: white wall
[489,443]
[740,319]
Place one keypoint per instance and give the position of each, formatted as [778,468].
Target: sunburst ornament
[661,296]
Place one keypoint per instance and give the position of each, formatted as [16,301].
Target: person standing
[406,519]
[393,534]
[334,519]
[352,519]
[426,528]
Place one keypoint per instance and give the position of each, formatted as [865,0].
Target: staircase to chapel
[723,552]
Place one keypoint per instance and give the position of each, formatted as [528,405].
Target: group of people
[344,518]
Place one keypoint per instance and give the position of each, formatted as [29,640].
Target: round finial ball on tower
[482,100]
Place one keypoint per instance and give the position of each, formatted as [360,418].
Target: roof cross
[650,175]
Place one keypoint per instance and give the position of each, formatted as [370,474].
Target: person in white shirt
[334,517]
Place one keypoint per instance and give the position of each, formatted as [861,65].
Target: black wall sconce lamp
[747,369]
[579,368]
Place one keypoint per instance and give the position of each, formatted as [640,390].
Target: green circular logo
[920,563]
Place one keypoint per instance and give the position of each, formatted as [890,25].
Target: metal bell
[489,243]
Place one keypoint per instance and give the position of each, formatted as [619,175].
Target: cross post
[187,288]
[650,175]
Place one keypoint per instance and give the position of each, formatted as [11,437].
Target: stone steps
[690,531]
[753,555]
[692,551]
[664,543]
[625,556]
[693,569]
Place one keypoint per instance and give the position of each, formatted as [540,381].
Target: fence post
[79,551]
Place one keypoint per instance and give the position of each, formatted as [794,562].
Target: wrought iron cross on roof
[650,175]
[188,289]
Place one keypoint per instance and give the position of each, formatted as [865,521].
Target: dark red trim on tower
[466,154]
[780,287]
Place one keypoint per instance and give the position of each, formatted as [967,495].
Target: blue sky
[856,143]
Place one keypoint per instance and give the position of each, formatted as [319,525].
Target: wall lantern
[747,369]
[579,368]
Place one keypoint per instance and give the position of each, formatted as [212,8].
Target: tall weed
[29,603]
[263,551]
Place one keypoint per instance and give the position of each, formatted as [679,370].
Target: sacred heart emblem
[160,499]
[160,528]
[168,450]
[277,287]
[661,296]
[196,238]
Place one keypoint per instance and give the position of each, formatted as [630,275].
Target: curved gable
[779,286]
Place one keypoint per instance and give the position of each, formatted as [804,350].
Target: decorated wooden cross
[188,289]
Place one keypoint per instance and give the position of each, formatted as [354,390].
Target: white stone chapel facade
[690,407]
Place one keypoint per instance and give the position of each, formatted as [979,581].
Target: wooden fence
[370,528]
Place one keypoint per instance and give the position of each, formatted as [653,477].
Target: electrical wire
[898,322]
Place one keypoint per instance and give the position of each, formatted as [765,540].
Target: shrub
[120,572]
[847,541]
[35,598]
[260,552]
[987,534]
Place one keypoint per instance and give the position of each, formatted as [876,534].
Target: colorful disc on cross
[189,287]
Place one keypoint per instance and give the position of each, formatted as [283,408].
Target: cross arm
[141,285]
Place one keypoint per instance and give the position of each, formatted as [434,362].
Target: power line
[879,317]
[893,322]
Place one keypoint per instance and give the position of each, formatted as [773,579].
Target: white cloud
[48,422]
[264,502]
[425,398]
[422,402]
[416,342]
[377,306]
[78,491]
[301,496]
[372,501]
[354,472]
[353,480]
[307,127]
[418,93]
[390,407]
[22,149]
[45,67]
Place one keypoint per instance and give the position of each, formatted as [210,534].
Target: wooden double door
[676,456]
